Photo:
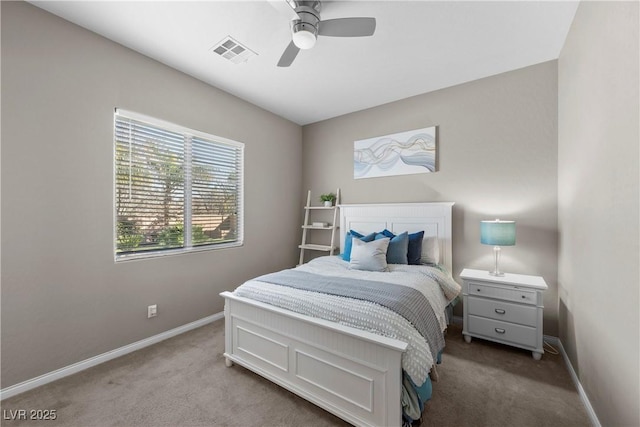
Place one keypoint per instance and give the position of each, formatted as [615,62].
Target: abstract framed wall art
[403,153]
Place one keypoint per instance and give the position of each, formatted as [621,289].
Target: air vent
[233,50]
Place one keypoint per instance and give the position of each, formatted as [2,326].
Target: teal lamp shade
[498,233]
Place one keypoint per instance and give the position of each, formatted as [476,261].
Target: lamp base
[496,258]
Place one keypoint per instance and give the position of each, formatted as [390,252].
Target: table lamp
[497,233]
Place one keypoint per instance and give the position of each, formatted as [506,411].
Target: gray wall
[497,158]
[598,213]
[63,298]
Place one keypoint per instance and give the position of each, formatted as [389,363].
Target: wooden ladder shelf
[306,226]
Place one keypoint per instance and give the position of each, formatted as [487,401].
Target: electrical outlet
[152,311]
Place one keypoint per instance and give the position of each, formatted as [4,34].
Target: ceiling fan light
[304,36]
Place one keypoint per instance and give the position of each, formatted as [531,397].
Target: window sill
[173,252]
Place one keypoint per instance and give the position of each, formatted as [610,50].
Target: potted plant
[328,199]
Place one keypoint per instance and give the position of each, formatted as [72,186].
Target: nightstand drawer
[511,293]
[503,331]
[504,311]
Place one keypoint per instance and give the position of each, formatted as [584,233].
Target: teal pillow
[398,247]
[414,250]
[346,254]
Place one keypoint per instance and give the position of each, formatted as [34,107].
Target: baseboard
[555,341]
[104,357]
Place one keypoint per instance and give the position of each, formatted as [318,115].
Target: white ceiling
[418,46]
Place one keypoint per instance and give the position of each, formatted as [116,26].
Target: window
[176,189]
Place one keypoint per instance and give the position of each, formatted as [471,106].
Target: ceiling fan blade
[347,27]
[289,55]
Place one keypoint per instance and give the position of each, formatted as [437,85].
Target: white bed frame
[354,374]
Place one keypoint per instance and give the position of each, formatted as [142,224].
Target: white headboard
[433,218]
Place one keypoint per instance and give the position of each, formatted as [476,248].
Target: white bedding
[417,360]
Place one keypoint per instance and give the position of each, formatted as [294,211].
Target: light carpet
[183,381]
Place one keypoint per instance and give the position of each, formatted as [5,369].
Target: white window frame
[188,133]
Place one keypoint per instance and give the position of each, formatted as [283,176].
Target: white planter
[328,204]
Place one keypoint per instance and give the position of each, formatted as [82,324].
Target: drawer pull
[500,331]
[524,296]
[500,311]
[478,289]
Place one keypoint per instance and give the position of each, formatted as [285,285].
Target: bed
[354,373]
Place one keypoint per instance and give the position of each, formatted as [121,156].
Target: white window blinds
[176,189]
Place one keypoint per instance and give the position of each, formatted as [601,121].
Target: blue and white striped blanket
[407,302]
[420,284]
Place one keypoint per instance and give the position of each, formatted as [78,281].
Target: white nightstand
[505,309]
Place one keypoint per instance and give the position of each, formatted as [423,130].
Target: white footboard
[353,374]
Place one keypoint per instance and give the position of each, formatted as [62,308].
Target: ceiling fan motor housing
[305,29]
[307,26]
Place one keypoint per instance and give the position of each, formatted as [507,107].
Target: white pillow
[430,251]
[369,256]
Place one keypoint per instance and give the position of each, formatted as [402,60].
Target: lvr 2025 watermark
[29,414]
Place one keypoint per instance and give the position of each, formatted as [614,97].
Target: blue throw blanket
[403,300]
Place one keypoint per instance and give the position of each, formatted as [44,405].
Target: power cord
[551,349]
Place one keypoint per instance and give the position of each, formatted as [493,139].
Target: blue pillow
[387,233]
[398,247]
[414,250]
[346,254]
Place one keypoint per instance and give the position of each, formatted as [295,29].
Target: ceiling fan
[306,26]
